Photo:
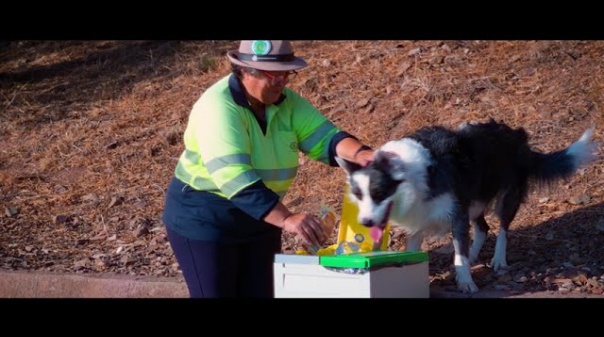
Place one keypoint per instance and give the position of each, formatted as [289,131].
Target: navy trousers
[214,269]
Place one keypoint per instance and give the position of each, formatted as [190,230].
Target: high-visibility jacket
[226,149]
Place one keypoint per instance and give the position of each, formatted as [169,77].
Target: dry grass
[90,132]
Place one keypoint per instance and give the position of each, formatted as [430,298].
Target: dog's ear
[348,166]
[392,162]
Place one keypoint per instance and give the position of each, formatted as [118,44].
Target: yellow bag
[351,233]
[353,237]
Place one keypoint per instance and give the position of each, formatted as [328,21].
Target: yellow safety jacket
[226,149]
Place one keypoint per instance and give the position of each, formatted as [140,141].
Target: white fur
[463,275]
[499,258]
[582,150]
[479,239]
[476,209]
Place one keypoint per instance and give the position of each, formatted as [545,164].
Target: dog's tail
[549,167]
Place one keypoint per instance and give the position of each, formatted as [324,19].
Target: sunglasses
[273,75]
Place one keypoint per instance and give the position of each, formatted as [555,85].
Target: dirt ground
[90,132]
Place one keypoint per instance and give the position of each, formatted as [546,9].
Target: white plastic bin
[304,276]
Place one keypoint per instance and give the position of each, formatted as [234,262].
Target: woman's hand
[354,151]
[364,157]
[307,227]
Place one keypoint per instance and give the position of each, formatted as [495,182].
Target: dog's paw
[499,265]
[464,280]
[467,287]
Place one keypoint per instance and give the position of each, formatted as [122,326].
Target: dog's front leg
[499,263]
[461,238]
[480,234]
[414,242]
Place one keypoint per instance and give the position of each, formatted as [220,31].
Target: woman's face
[266,86]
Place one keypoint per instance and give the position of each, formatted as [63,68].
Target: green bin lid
[372,259]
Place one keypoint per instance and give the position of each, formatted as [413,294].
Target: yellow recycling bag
[353,236]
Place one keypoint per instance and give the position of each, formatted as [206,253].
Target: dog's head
[373,188]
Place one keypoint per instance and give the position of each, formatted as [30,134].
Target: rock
[11,211]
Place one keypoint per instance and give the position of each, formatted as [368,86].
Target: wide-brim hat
[270,55]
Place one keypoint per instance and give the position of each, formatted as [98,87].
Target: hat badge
[260,47]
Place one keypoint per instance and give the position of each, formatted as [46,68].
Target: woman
[223,211]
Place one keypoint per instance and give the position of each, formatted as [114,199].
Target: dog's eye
[357,193]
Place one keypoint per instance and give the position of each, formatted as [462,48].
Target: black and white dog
[437,180]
